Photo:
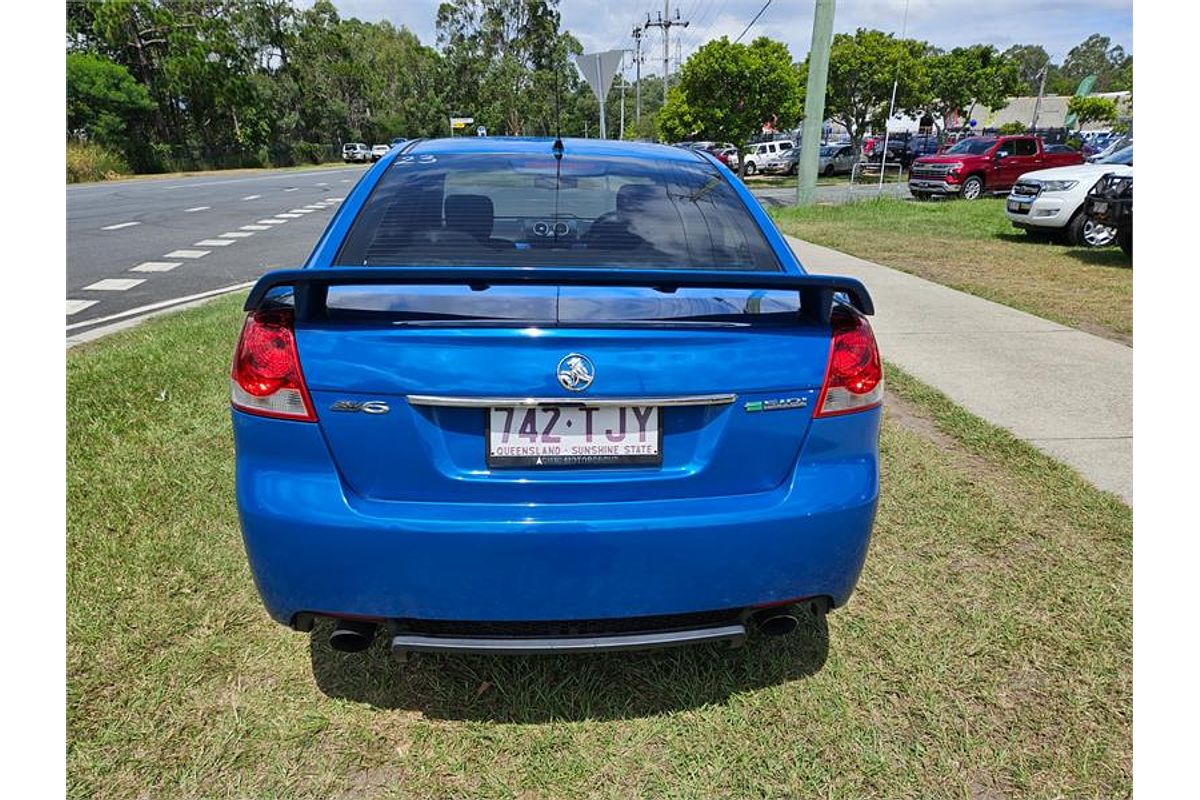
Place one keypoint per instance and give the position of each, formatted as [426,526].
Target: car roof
[529,145]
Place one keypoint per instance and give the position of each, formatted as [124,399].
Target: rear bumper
[316,547]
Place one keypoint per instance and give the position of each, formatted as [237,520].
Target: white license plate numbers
[568,436]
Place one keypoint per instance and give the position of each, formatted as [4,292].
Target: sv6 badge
[367,406]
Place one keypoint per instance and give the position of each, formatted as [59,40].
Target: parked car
[458,422]
[920,146]
[398,140]
[767,156]
[833,159]
[379,151]
[897,153]
[355,151]
[982,164]
[726,153]
[1053,200]
[1118,143]
[1110,204]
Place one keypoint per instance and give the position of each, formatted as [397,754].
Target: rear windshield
[530,210]
[972,147]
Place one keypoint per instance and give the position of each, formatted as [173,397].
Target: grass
[986,653]
[971,246]
[233,171]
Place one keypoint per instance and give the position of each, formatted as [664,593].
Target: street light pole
[814,102]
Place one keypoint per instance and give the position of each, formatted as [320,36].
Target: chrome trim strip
[418,643]
[489,402]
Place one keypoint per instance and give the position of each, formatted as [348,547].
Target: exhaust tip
[777,623]
[352,636]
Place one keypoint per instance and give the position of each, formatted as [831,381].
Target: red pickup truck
[981,164]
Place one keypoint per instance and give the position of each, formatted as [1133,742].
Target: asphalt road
[147,243]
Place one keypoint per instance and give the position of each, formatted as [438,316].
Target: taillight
[266,377]
[854,379]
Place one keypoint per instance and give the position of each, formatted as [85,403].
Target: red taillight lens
[854,380]
[266,377]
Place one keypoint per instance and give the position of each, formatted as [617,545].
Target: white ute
[1050,201]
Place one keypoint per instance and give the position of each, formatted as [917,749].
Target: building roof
[1053,113]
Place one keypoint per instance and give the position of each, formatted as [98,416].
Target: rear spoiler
[311,285]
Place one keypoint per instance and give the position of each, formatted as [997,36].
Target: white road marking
[197,208]
[292,189]
[300,211]
[255,228]
[316,207]
[323,183]
[188,253]
[236,234]
[271,221]
[252,197]
[213,242]
[119,225]
[75,306]
[114,284]
[156,266]
[289,216]
[345,180]
[150,309]
[335,199]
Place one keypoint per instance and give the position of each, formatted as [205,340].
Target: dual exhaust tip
[355,636]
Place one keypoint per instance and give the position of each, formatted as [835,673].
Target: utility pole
[637,62]
[1037,106]
[621,135]
[665,22]
[814,102]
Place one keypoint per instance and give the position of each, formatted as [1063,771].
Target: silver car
[836,158]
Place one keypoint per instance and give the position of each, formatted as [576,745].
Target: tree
[862,70]
[1097,55]
[102,98]
[727,90]
[1092,109]
[1030,60]
[966,77]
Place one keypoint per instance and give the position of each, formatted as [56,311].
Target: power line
[751,23]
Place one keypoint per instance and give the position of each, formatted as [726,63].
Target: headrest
[470,213]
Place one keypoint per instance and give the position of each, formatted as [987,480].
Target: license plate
[1099,206]
[1018,206]
[563,436]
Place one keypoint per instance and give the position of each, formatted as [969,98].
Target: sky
[1057,25]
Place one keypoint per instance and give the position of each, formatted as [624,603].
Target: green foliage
[965,77]
[863,68]
[727,90]
[102,99]
[1098,56]
[1092,109]
[1012,128]
[88,161]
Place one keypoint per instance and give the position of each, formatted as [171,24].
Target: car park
[982,164]
[1052,201]
[726,153]
[355,151]
[536,396]
[379,151]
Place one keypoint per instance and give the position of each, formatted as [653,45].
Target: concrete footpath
[1066,392]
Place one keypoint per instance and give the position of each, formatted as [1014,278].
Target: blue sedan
[554,395]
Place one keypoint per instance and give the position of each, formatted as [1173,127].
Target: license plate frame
[1019,206]
[567,460]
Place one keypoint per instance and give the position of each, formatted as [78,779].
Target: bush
[93,162]
[310,153]
[1013,128]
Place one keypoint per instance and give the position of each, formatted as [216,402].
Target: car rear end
[518,402]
